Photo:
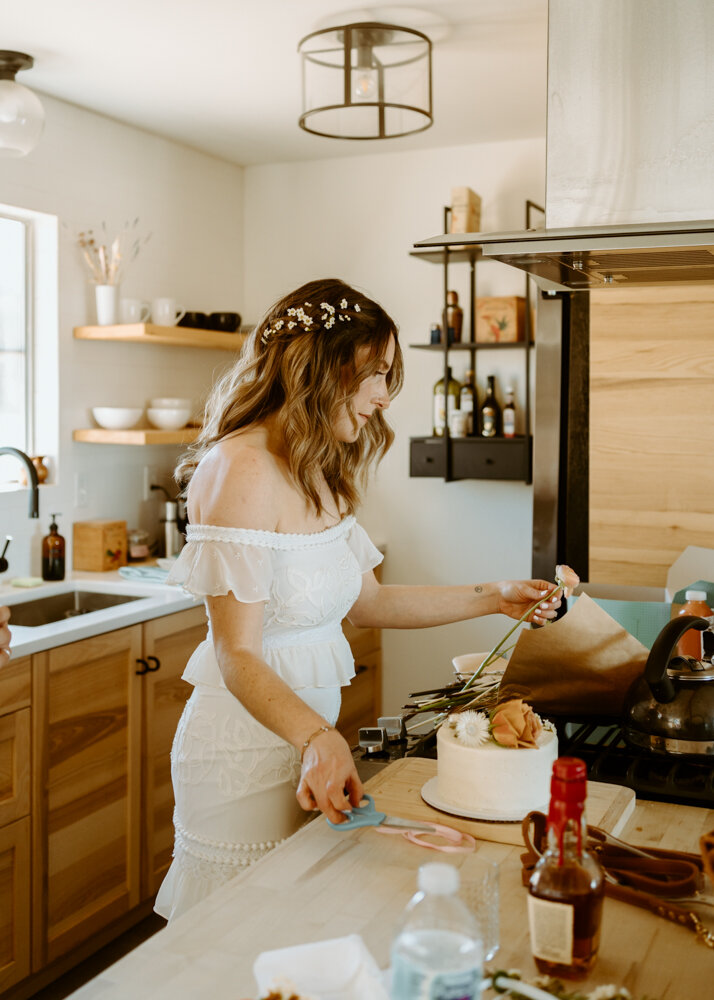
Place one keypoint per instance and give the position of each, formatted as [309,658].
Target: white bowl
[168,419]
[170,403]
[117,418]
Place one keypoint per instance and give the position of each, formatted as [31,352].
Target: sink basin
[45,610]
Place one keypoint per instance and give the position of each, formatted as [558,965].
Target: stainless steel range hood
[629,150]
[580,259]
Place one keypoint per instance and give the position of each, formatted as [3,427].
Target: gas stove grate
[660,777]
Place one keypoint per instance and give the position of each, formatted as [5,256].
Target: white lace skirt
[234,790]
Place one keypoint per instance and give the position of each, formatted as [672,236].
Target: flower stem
[497,648]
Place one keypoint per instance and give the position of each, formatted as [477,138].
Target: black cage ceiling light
[366,81]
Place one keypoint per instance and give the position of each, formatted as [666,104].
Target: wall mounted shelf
[471,458]
[172,336]
[139,435]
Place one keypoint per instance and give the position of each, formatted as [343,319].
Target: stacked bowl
[169,413]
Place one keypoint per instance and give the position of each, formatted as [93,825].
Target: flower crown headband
[298,317]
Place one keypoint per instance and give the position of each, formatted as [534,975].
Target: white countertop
[156,600]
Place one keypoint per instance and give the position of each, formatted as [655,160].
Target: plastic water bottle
[437,954]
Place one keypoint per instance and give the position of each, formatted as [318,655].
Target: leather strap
[635,875]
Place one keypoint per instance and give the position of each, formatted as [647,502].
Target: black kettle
[670,709]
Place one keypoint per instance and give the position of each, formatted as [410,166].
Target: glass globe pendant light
[366,80]
[22,116]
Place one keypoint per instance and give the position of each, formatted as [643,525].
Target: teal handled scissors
[366,814]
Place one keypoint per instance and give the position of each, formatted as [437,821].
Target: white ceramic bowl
[117,418]
[168,419]
[170,403]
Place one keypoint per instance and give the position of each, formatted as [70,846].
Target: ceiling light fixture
[22,116]
[366,80]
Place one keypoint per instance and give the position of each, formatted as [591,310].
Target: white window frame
[42,342]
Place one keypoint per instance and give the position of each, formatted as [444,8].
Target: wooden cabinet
[87,721]
[106,709]
[171,641]
[15,802]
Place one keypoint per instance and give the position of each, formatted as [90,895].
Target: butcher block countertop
[323,884]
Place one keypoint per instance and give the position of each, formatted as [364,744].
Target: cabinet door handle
[145,668]
[154,659]
[360,668]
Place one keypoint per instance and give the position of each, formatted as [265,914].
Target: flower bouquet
[107,258]
[480,691]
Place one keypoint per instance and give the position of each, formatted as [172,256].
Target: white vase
[107,300]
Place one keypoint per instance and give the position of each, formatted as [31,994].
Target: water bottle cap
[439,878]
[695,595]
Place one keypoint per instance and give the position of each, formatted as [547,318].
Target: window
[29,343]
[15,337]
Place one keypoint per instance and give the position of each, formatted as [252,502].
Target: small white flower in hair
[309,304]
[341,318]
[327,307]
[291,324]
[343,304]
[278,325]
[357,308]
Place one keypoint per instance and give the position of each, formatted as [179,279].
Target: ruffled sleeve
[368,555]
[214,563]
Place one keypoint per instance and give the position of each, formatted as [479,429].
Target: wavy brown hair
[303,377]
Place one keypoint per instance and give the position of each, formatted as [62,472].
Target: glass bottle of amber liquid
[567,887]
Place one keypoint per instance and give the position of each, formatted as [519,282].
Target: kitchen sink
[45,610]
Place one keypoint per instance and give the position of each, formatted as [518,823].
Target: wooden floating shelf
[174,336]
[140,435]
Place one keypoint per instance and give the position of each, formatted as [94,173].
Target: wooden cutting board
[397,791]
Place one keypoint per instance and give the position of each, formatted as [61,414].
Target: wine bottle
[454,318]
[566,888]
[445,403]
[509,414]
[491,411]
[468,401]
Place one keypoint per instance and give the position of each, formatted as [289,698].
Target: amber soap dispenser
[53,553]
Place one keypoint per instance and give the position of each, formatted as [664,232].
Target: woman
[273,547]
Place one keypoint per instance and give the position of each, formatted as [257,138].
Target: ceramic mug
[134,311]
[165,312]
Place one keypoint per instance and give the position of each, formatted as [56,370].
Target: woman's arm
[329,780]
[396,606]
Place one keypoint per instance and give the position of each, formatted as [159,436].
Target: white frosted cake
[496,782]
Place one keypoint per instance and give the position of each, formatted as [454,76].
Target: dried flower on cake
[515,724]
[471,728]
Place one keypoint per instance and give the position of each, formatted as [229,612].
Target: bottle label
[488,422]
[441,412]
[409,982]
[551,926]
[509,423]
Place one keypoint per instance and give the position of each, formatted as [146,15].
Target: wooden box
[501,319]
[465,210]
[98,546]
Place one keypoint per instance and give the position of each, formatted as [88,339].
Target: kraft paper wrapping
[582,664]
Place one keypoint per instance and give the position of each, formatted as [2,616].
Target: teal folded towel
[149,574]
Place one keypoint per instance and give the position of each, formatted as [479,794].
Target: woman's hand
[329,779]
[4,636]
[516,596]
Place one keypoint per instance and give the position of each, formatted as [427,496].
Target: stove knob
[394,726]
[373,739]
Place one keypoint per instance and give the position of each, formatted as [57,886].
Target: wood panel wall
[651,430]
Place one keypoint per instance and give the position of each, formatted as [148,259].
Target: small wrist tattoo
[478,589]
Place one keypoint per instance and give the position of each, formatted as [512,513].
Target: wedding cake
[499,767]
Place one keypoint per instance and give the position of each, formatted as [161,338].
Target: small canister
[458,423]
[137,545]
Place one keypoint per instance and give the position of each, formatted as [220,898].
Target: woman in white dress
[273,547]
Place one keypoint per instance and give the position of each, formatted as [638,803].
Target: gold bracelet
[311,737]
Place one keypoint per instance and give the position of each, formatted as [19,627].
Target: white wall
[357,219]
[85,170]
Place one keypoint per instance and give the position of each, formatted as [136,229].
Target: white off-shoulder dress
[234,780]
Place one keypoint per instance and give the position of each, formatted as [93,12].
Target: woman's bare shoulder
[235,485]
